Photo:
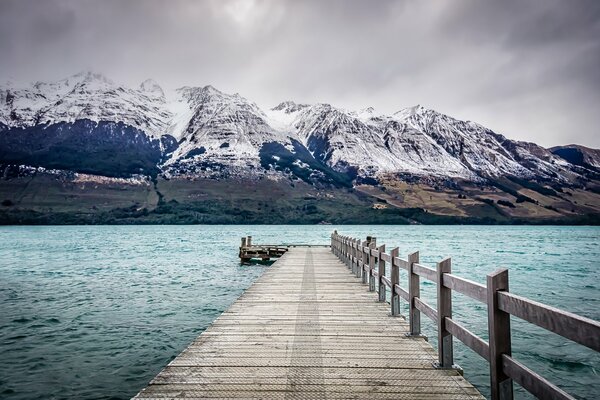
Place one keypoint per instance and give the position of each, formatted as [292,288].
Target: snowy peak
[289,107]
[216,128]
[153,89]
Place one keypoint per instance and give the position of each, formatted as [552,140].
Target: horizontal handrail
[403,293]
[387,281]
[401,263]
[361,256]
[471,340]
[425,272]
[579,329]
[534,383]
[464,286]
[425,309]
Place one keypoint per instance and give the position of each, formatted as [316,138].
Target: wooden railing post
[395,279]
[365,259]
[332,241]
[365,275]
[414,291]
[381,284]
[380,266]
[358,256]
[354,254]
[349,264]
[499,333]
[444,309]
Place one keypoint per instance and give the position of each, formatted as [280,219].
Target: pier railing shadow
[368,261]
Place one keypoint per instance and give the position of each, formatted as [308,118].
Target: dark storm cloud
[527,69]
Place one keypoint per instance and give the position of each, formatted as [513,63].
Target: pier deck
[308,329]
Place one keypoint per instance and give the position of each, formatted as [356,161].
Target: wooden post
[366,259]
[380,275]
[444,309]
[499,332]
[395,279]
[414,291]
[354,254]
[380,265]
[365,275]
[349,254]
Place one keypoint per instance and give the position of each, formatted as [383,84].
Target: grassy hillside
[44,198]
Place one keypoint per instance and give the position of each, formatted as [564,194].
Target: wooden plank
[401,263]
[426,309]
[471,340]
[402,292]
[386,281]
[579,329]
[425,272]
[534,383]
[468,288]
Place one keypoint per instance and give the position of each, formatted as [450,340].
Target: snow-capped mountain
[201,131]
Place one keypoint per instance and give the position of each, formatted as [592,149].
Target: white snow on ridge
[219,128]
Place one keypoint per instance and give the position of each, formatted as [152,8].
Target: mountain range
[85,149]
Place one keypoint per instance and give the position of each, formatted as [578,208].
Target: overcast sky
[527,69]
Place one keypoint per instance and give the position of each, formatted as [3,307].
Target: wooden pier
[311,328]
[263,252]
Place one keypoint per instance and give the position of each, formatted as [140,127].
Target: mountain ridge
[88,124]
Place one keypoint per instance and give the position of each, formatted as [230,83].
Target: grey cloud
[527,69]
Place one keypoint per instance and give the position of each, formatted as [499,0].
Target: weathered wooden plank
[534,383]
[465,286]
[582,330]
[426,309]
[468,338]
[425,272]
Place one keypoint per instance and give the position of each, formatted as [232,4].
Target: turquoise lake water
[95,312]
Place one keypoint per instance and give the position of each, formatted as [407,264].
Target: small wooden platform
[264,252]
[308,329]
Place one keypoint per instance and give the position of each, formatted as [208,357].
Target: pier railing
[369,262]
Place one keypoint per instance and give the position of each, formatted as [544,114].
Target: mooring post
[501,385]
[395,279]
[444,309]
[414,291]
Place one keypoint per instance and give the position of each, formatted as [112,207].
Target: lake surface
[95,312]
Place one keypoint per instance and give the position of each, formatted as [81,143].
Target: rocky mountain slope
[88,124]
